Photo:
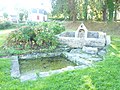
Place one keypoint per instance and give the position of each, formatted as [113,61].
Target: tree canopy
[86,9]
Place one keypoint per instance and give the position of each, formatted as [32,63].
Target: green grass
[105,75]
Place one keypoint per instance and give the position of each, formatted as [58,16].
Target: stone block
[90,50]
[95,59]
[55,71]
[44,74]
[67,34]
[30,76]
[92,34]
[15,72]
[102,52]
[78,51]
[108,40]
[93,42]
[102,35]
[80,67]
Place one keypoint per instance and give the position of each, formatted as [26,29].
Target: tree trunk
[85,9]
[104,12]
[115,17]
[110,9]
[74,17]
[72,7]
[116,6]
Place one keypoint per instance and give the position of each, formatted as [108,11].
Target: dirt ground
[110,28]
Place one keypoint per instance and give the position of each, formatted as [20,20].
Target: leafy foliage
[5,24]
[5,15]
[85,9]
[110,9]
[35,37]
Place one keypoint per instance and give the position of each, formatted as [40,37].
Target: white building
[37,15]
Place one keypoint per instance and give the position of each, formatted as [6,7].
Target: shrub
[45,38]
[36,37]
[31,23]
[5,24]
[54,27]
[21,38]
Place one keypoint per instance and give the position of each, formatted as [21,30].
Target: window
[34,10]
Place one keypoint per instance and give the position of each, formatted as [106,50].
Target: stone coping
[82,60]
[93,39]
[15,71]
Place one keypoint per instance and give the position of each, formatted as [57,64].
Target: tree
[23,13]
[21,16]
[73,11]
[117,4]
[5,15]
[110,6]
[104,9]
[85,9]
[65,7]
[59,7]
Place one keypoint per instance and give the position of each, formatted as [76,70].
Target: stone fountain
[81,47]
[89,41]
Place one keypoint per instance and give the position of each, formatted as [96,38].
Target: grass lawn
[105,75]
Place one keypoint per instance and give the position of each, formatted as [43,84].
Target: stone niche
[81,32]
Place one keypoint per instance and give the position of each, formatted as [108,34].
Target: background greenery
[85,9]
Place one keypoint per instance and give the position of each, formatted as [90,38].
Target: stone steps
[82,58]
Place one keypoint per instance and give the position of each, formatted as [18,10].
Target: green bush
[5,24]
[59,19]
[32,23]
[36,37]
[54,27]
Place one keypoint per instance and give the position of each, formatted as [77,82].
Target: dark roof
[42,11]
[37,10]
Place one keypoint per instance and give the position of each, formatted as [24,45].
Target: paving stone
[15,72]
[55,71]
[95,59]
[76,51]
[90,50]
[108,40]
[30,76]
[80,67]
[44,74]
[102,52]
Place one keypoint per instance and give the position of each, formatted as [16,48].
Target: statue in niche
[81,31]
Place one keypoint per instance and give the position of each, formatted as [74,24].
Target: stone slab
[15,72]
[90,50]
[108,40]
[30,76]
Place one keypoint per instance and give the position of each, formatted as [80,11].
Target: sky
[26,4]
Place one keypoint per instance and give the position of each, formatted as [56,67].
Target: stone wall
[80,42]
[83,60]
[72,42]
